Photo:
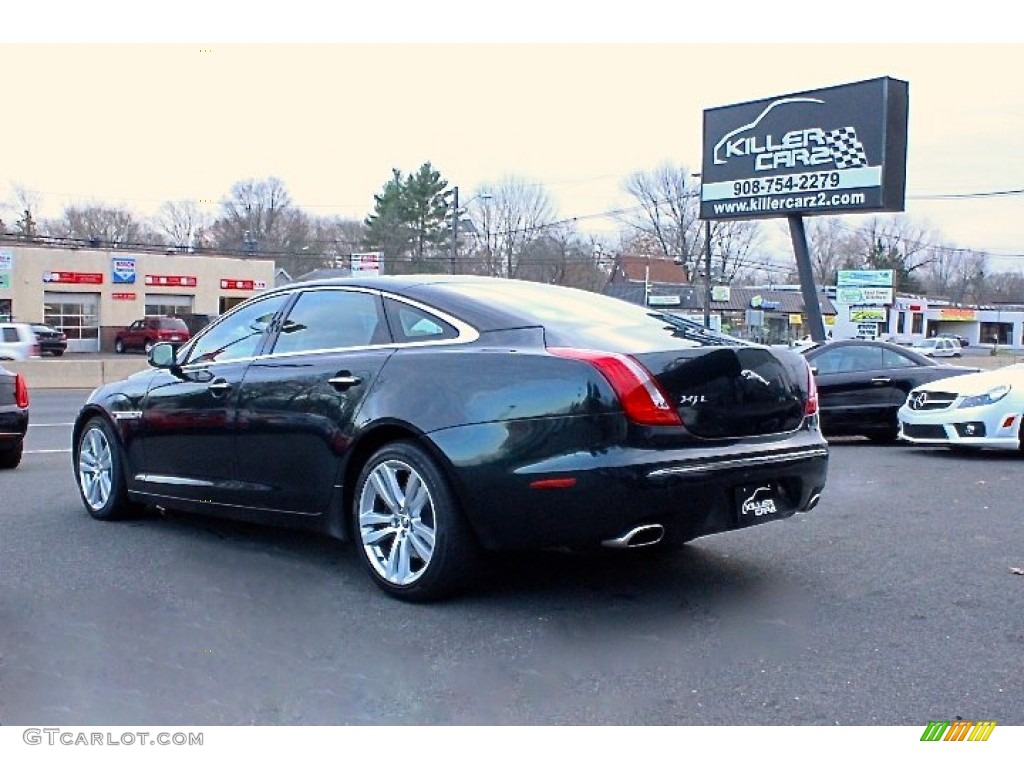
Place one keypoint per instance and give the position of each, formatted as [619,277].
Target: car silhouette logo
[918,400]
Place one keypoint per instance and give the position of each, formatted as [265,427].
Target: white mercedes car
[979,410]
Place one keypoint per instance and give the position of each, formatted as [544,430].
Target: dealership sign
[365,264]
[178,281]
[864,277]
[836,150]
[867,314]
[874,296]
[122,270]
[75,278]
[6,260]
[958,313]
[230,284]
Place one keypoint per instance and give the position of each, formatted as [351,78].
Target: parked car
[13,417]
[17,342]
[51,341]
[144,333]
[983,410]
[938,346]
[428,418]
[961,340]
[862,384]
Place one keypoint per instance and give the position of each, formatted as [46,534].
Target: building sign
[841,149]
[231,284]
[75,278]
[176,281]
[867,314]
[663,301]
[365,264]
[5,280]
[876,296]
[122,270]
[123,296]
[6,260]
[958,313]
[864,278]
[795,319]
[720,293]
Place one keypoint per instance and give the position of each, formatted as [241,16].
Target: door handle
[344,380]
[880,380]
[219,387]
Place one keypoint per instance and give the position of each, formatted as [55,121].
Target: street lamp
[455,224]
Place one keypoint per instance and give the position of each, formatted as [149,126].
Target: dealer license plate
[758,503]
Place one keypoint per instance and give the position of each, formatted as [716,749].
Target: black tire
[10,458]
[58,352]
[413,551]
[119,347]
[98,454]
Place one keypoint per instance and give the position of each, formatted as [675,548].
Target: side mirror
[814,370]
[162,355]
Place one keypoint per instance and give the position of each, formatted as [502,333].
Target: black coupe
[862,384]
[429,418]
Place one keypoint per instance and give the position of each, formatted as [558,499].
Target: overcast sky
[139,124]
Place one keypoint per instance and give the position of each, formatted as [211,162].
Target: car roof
[821,346]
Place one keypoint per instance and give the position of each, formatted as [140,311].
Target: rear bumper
[13,426]
[586,497]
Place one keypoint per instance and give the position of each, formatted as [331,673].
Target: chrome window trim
[467,334]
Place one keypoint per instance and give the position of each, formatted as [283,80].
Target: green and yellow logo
[958,730]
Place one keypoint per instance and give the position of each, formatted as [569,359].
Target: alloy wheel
[95,468]
[396,522]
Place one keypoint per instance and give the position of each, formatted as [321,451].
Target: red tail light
[642,399]
[811,407]
[20,391]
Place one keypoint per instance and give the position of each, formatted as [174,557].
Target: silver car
[17,342]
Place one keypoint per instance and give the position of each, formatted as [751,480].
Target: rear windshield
[584,318]
[171,324]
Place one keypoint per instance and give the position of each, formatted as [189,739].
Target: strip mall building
[90,294]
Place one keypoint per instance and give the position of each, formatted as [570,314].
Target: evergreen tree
[409,223]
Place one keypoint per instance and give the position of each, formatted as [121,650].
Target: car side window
[849,359]
[332,319]
[894,359]
[410,323]
[10,334]
[238,334]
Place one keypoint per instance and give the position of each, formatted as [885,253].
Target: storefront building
[91,294]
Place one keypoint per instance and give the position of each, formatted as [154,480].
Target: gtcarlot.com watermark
[62,737]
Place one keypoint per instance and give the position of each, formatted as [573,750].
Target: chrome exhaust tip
[641,536]
[812,502]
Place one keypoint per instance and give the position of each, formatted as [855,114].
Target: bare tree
[251,216]
[732,246]
[507,221]
[183,223]
[668,215]
[100,225]
[833,247]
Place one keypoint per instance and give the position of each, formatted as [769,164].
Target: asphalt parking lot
[892,603]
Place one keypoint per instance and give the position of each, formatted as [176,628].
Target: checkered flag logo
[846,149]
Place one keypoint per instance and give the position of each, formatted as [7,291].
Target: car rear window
[171,324]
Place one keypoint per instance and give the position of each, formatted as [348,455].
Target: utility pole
[455,231]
